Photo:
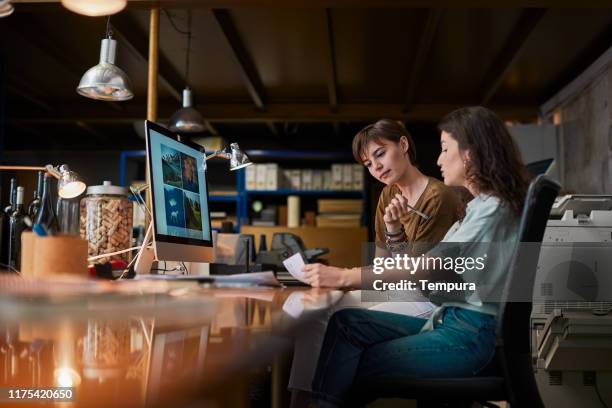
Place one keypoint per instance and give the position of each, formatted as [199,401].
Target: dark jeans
[362,345]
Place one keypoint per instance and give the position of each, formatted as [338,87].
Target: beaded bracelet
[401,231]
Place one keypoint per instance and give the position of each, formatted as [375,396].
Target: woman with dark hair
[479,154]
[412,208]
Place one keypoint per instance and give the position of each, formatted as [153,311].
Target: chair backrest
[513,319]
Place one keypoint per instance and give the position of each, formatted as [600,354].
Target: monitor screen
[179,190]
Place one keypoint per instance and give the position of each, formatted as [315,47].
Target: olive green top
[438,201]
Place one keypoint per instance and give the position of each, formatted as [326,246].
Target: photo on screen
[171,166]
[190,173]
[175,211]
[193,213]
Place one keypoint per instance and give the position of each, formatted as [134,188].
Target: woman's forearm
[352,278]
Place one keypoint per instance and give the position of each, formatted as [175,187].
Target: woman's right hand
[393,212]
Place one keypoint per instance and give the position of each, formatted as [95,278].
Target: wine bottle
[6,214]
[34,205]
[12,196]
[16,227]
[46,214]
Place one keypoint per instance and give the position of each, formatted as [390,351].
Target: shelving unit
[242,195]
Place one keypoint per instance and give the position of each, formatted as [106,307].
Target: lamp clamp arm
[219,153]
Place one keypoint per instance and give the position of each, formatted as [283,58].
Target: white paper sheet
[294,265]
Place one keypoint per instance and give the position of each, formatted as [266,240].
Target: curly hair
[495,164]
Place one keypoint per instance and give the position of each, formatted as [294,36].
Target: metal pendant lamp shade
[95,8]
[187,119]
[6,8]
[238,158]
[106,81]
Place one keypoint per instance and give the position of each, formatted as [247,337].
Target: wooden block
[55,255]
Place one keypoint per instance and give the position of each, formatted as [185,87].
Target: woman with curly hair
[458,340]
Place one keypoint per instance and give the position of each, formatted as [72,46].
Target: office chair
[512,377]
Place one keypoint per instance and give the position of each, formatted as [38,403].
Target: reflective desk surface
[152,344]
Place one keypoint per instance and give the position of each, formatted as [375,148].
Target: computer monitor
[179,197]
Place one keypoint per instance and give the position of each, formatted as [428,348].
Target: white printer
[572,304]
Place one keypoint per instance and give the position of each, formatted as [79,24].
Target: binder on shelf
[347,177]
[271,176]
[286,179]
[357,177]
[260,178]
[251,177]
[307,179]
[317,179]
[336,174]
[296,182]
[327,180]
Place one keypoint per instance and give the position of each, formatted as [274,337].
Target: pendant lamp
[187,119]
[106,81]
[6,8]
[95,8]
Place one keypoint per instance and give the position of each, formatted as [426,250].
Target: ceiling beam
[125,28]
[283,112]
[272,127]
[28,95]
[39,5]
[526,24]
[330,47]
[425,44]
[245,63]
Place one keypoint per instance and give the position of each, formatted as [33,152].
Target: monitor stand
[146,255]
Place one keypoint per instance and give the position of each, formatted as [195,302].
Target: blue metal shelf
[223,198]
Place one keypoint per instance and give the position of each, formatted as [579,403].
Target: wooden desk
[190,345]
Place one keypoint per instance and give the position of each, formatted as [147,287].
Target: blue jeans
[362,345]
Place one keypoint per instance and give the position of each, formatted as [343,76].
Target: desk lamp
[238,159]
[69,183]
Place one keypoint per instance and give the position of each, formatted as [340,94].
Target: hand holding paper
[295,264]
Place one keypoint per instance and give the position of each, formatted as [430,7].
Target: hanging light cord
[109,29]
[188,47]
[188,34]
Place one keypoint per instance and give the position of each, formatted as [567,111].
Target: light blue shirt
[488,228]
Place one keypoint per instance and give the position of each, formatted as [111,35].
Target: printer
[571,322]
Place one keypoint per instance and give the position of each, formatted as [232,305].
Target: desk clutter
[56,236]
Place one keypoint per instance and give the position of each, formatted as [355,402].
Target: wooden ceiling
[272,72]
